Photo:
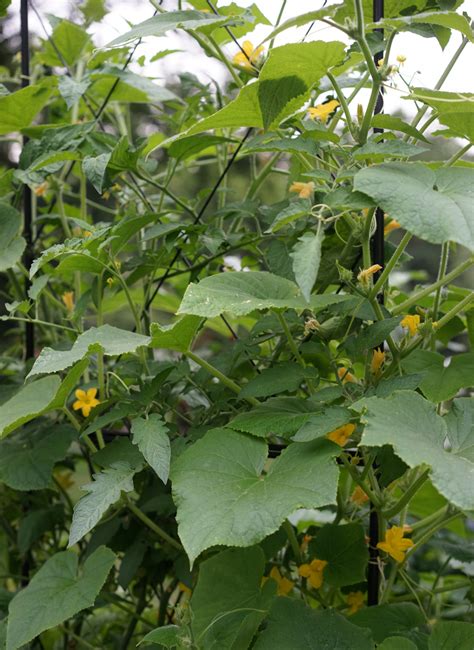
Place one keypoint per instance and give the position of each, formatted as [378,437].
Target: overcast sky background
[425,59]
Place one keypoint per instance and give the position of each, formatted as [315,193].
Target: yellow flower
[86,401]
[378,359]
[342,434]
[64,479]
[401,59]
[40,190]
[305,542]
[304,190]
[345,376]
[365,274]
[184,588]
[250,58]
[411,322]
[395,544]
[359,497]
[87,233]
[322,112]
[110,281]
[380,63]
[313,572]
[68,300]
[392,225]
[284,585]
[355,600]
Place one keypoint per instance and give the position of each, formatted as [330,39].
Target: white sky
[425,59]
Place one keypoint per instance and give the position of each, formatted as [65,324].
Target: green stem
[399,309]
[426,521]
[79,641]
[343,103]
[212,370]
[443,265]
[369,113]
[459,154]
[152,526]
[290,531]
[75,423]
[359,11]
[442,79]
[390,342]
[455,310]
[278,20]
[100,355]
[354,474]
[262,175]
[221,56]
[337,116]
[390,265]
[406,496]
[290,339]
[434,529]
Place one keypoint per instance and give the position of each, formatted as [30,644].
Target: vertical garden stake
[378,249]
[27,207]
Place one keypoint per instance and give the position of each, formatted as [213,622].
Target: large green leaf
[420,198]
[396,124]
[151,437]
[460,422]
[289,74]
[106,338]
[303,19]
[397,643]
[160,24]
[178,336]
[95,168]
[102,493]
[28,457]
[166,636]
[29,402]
[227,604]
[56,593]
[410,424]
[306,256]
[222,496]
[240,293]
[19,109]
[440,382]
[321,423]
[452,634]
[389,620]
[345,550]
[292,624]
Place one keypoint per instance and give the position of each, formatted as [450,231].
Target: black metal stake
[378,257]
[27,207]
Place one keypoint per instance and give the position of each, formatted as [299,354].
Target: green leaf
[19,109]
[389,620]
[11,245]
[286,376]
[72,90]
[160,24]
[452,634]
[378,151]
[131,87]
[240,293]
[222,497]
[29,402]
[102,493]
[178,336]
[56,593]
[27,458]
[322,423]
[420,198]
[282,416]
[69,39]
[303,19]
[382,121]
[454,109]
[345,550]
[227,601]
[409,423]
[151,437]
[95,168]
[371,336]
[440,382]
[306,255]
[295,210]
[106,338]
[166,636]
[36,523]
[289,73]
[460,422]
[292,624]
[448,19]
[120,450]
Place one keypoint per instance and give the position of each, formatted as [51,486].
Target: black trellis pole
[378,255]
[27,207]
